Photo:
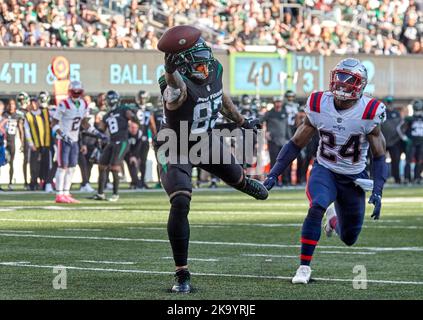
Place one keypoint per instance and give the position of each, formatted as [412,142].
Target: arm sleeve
[288,154]
[380,173]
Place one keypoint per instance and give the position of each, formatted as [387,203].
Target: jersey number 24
[351,148]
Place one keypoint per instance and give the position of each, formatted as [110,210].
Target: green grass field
[241,248]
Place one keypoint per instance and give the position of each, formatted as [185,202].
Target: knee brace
[180,204]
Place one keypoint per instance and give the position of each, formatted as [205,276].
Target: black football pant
[85,165]
[415,153]
[395,155]
[39,165]
[133,170]
[176,180]
[145,147]
[11,149]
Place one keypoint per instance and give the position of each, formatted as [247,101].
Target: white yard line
[214,225]
[17,231]
[345,252]
[268,255]
[217,243]
[247,276]
[109,262]
[70,229]
[73,221]
[64,208]
[196,259]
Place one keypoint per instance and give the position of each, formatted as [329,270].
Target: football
[178,39]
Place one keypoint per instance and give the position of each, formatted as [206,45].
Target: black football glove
[270,182]
[170,63]
[251,124]
[376,200]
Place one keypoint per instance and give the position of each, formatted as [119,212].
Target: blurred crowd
[326,27]
[280,117]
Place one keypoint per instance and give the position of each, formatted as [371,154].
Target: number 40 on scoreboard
[270,74]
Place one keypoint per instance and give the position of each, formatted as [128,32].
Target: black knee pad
[180,204]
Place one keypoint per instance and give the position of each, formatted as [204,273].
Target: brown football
[178,39]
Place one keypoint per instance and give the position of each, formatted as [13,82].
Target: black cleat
[255,189]
[182,282]
[99,197]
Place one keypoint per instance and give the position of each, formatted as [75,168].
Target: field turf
[240,248]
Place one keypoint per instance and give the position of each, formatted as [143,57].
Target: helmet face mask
[142,98]
[44,99]
[22,100]
[195,63]
[75,90]
[418,108]
[348,80]
[112,99]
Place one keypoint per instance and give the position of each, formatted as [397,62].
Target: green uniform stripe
[122,148]
[219,69]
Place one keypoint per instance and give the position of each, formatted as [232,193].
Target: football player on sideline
[71,113]
[193,95]
[116,121]
[347,123]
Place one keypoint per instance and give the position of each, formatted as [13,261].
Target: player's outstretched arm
[175,93]
[290,152]
[230,111]
[378,146]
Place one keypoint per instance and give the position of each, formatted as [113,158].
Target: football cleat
[302,276]
[99,197]
[87,188]
[330,219]
[255,189]
[114,198]
[49,188]
[182,281]
[71,199]
[61,198]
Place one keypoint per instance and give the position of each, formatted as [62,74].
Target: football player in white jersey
[348,122]
[71,113]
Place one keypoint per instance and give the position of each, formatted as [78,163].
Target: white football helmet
[348,79]
[75,90]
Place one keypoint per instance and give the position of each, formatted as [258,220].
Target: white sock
[68,180]
[60,180]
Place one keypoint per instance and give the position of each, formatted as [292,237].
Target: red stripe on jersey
[308,195]
[86,104]
[312,98]
[306,258]
[374,110]
[66,102]
[308,241]
[370,110]
[319,98]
